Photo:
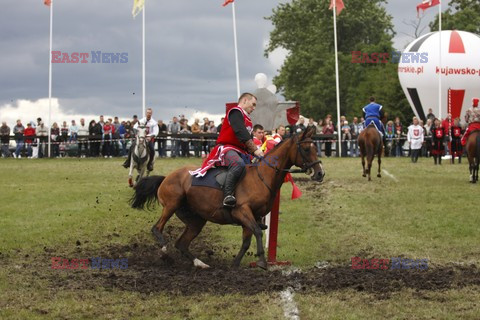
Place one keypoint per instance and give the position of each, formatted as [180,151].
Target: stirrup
[229,201]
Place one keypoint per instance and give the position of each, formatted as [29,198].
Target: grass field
[77,208]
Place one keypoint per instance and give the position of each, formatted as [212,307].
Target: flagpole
[236,48]
[440,61]
[336,78]
[143,61]
[50,81]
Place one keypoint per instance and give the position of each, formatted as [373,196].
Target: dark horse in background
[473,151]
[371,144]
[255,195]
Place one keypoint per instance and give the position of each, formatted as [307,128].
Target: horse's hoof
[262,264]
[379,175]
[130,182]
[364,175]
[199,264]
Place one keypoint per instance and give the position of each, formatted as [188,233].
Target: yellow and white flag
[137,7]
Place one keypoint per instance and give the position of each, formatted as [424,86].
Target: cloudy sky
[189,59]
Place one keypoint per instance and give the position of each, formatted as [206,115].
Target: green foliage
[305,29]
[460,15]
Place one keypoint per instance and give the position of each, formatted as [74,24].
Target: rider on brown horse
[233,141]
[472,118]
[373,112]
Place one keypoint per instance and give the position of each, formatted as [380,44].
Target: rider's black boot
[150,160]
[126,164]
[230,182]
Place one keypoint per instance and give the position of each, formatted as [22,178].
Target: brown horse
[255,194]
[473,151]
[370,143]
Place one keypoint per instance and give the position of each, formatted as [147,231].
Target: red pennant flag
[227,2]
[296,192]
[427,4]
[47,2]
[338,5]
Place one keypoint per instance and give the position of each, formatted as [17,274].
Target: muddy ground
[149,271]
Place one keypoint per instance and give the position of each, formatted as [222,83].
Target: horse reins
[305,165]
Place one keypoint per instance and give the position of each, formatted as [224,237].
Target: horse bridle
[305,164]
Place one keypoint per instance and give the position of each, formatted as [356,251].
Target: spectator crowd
[111,137]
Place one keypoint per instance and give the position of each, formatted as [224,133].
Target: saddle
[214,178]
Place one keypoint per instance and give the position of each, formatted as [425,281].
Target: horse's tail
[369,150]
[146,192]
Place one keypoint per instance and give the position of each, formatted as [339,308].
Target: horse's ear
[308,133]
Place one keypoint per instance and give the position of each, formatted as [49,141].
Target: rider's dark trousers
[236,168]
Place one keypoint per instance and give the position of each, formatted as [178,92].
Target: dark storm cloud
[190,53]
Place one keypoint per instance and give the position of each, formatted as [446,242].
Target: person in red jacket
[456,145]
[472,118]
[438,147]
[258,135]
[233,142]
[446,125]
[29,134]
[107,138]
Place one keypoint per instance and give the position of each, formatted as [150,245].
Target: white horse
[140,156]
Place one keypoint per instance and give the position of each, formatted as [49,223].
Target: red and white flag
[427,4]
[338,5]
[227,2]
[47,3]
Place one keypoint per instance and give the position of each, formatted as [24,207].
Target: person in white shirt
[82,138]
[415,139]
[73,131]
[152,132]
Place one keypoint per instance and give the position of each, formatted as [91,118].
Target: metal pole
[50,82]
[236,49]
[440,61]
[339,151]
[143,61]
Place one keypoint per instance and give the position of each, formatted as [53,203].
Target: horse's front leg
[247,239]
[130,173]
[245,216]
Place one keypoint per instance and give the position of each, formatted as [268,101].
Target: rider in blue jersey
[373,112]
